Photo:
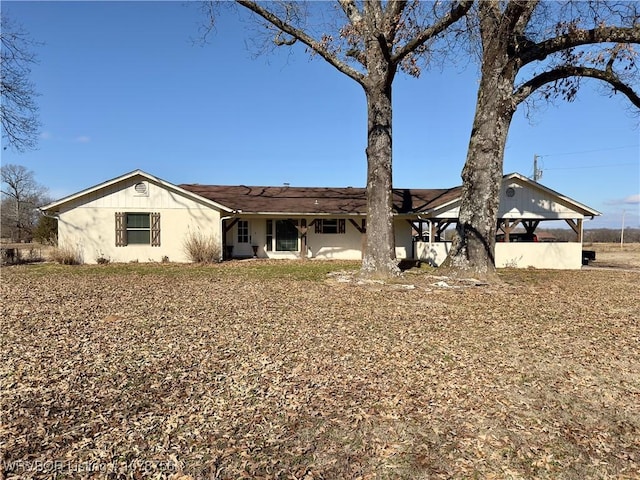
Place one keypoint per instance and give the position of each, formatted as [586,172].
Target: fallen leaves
[234,374]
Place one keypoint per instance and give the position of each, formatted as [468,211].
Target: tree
[368,42]
[46,230]
[21,194]
[532,47]
[18,111]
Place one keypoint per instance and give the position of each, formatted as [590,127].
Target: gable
[526,200]
[135,190]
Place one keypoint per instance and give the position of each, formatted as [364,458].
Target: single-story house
[139,217]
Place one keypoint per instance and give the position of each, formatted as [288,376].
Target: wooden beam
[574,226]
[442,226]
[507,227]
[303,237]
[362,229]
[530,225]
[230,225]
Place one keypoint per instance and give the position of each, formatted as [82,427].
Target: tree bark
[474,242]
[379,256]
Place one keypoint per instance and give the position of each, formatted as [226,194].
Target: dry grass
[615,255]
[234,371]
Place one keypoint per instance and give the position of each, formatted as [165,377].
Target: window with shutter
[137,229]
[330,225]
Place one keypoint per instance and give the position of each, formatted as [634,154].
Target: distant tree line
[597,235]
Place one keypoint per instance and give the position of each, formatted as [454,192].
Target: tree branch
[519,13]
[351,11]
[303,37]
[608,76]
[575,38]
[456,13]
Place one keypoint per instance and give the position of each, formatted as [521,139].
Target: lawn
[277,370]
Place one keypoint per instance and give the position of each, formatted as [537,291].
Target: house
[139,217]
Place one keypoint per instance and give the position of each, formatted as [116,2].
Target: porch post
[303,238]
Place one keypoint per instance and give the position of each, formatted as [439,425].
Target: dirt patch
[242,373]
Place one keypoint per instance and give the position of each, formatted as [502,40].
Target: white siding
[552,255]
[89,223]
[433,253]
[532,203]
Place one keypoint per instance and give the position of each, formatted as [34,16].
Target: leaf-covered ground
[256,370]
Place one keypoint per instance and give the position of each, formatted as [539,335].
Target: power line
[593,166]
[589,151]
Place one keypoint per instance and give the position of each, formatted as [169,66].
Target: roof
[288,200]
[327,200]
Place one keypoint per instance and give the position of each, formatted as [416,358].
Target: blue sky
[123,86]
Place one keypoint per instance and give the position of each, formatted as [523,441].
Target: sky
[129,85]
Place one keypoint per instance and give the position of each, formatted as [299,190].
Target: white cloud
[46,136]
[82,139]
[632,199]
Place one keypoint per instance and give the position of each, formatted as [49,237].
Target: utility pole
[622,230]
[537,174]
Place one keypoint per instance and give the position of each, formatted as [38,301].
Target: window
[137,229]
[286,235]
[243,231]
[269,235]
[330,225]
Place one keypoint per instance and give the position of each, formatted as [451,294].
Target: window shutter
[342,228]
[121,229]
[318,226]
[155,229]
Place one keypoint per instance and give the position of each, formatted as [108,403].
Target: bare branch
[303,37]
[575,38]
[351,11]
[519,12]
[456,13]
[568,71]
[18,111]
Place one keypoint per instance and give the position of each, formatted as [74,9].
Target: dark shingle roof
[320,200]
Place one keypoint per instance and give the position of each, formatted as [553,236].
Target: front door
[243,239]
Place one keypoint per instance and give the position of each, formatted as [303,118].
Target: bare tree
[18,111]
[21,195]
[368,42]
[529,47]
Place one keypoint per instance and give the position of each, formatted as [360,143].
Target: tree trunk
[474,243]
[379,258]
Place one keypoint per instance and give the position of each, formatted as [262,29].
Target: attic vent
[141,189]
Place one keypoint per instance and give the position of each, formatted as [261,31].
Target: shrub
[201,248]
[67,255]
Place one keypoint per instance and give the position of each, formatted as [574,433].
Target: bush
[201,248]
[67,255]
